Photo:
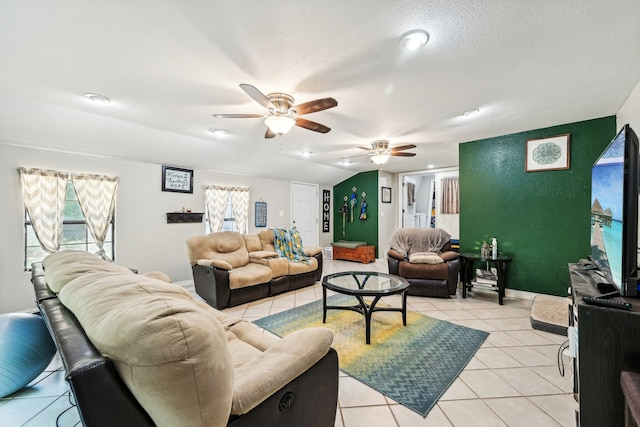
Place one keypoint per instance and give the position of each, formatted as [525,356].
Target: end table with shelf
[501,262]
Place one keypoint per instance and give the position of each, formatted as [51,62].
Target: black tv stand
[608,343]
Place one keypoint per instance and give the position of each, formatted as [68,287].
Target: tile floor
[513,380]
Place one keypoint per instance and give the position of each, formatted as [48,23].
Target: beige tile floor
[513,380]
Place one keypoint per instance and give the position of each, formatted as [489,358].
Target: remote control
[610,303]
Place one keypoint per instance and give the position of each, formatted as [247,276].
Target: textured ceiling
[168,66]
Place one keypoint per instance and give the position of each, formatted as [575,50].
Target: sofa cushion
[279,266]
[252,242]
[425,258]
[266,238]
[249,275]
[169,349]
[410,270]
[228,246]
[62,267]
[262,254]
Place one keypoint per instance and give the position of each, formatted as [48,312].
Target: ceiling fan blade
[402,154]
[238,116]
[315,106]
[269,133]
[257,96]
[308,124]
[402,147]
[365,148]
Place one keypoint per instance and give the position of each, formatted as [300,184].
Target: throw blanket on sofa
[288,244]
[411,240]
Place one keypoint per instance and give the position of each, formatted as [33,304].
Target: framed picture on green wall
[547,154]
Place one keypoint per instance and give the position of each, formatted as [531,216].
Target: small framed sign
[177,180]
[386,194]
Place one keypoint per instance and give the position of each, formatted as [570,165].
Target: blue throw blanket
[288,244]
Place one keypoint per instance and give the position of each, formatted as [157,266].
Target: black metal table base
[365,309]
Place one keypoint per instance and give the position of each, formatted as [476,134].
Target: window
[75,233]
[228,223]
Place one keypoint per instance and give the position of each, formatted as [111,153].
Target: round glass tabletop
[364,282]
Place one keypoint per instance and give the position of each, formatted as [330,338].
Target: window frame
[88,237]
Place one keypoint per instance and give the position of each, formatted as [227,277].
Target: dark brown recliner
[426,278]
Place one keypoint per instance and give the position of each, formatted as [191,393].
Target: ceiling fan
[282,113]
[380,151]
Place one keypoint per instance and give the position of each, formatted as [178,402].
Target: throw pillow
[425,258]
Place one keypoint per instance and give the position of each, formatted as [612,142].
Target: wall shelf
[183,217]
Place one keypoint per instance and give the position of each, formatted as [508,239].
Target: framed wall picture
[177,180]
[547,154]
[386,194]
[261,213]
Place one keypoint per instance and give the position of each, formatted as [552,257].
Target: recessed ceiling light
[307,153]
[471,113]
[94,97]
[430,166]
[219,132]
[346,162]
[414,40]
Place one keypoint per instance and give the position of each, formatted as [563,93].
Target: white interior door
[304,211]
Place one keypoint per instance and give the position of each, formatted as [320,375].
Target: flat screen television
[614,212]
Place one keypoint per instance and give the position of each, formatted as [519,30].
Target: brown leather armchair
[424,257]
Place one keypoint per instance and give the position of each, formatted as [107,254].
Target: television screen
[614,210]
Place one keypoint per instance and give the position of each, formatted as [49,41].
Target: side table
[466,271]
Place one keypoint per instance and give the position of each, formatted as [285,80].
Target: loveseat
[424,257]
[139,351]
[231,268]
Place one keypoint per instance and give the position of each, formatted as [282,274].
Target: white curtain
[240,203]
[216,198]
[450,196]
[44,194]
[97,198]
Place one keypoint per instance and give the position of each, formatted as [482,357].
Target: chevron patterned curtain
[215,197]
[44,194]
[97,197]
[240,203]
[450,198]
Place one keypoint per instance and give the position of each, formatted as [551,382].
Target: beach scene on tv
[607,187]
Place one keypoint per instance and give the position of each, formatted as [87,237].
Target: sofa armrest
[312,250]
[281,363]
[215,263]
[449,255]
[392,253]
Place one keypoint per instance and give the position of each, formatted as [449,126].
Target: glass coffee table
[362,284]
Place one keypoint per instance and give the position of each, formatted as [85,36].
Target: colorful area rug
[413,365]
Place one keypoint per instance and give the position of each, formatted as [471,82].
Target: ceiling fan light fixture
[380,159]
[279,124]
[414,40]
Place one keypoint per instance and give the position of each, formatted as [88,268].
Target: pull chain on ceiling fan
[282,113]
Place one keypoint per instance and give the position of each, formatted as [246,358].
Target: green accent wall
[359,230]
[541,219]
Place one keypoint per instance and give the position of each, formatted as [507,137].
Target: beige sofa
[183,362]
[230,268]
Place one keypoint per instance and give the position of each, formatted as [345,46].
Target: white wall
[630,111]
[387,212]
[143,239]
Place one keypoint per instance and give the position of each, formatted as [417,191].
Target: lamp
[279,124]
[380,159]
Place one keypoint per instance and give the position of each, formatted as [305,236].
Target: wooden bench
[354,251]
